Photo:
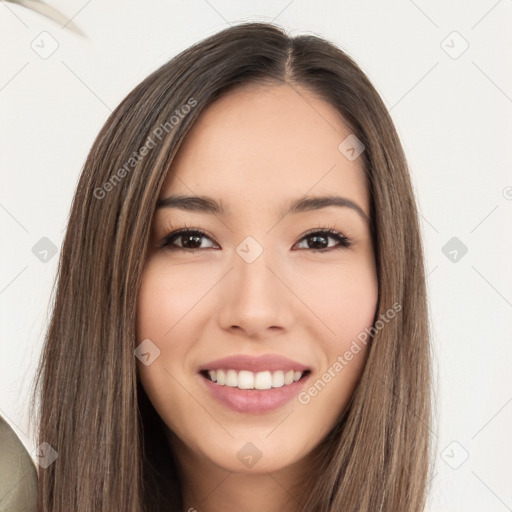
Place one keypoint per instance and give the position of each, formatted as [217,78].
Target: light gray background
[453,115]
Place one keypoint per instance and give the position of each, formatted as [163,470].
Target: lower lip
[254,400]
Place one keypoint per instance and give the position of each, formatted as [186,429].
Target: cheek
[347,303]
[161,304]
[354,305]
[343,299]
[165,297]
[154,299]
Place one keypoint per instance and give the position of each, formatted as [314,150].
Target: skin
[255,149]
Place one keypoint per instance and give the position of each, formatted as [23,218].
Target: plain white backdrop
[443,70]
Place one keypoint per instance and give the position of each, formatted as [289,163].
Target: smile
[246,379]
[253,400]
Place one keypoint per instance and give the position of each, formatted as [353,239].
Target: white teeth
[245,380]
[278,379]
[263,380]
[231,379]
[249,380]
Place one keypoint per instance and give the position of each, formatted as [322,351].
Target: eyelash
[344,241]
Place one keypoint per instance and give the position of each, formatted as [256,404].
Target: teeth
[249,380]
[277,379]
[263,380]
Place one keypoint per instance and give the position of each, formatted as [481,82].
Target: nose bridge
[254,281]
[255,298]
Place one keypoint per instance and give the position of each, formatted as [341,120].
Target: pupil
[189,241]
[187,238]
[316,238]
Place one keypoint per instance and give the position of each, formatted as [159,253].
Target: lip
[271,362]
[254,401]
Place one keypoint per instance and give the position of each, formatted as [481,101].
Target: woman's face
[260,282]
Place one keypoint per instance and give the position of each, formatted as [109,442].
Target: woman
[240,318]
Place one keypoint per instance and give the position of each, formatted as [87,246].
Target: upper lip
[271,362]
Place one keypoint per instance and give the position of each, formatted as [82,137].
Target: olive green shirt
[18,474]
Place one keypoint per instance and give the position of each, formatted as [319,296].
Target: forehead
[260,145]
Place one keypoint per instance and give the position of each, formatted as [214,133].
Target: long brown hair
[112,453]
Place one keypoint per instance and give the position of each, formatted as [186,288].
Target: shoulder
[18,475]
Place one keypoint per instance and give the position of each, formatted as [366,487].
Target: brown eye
[320,240]
[190,240]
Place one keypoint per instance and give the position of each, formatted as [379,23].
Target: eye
[190,240]
[320,240]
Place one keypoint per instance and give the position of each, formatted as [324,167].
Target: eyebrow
[206,204]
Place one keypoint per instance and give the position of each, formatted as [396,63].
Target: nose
[256,298]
